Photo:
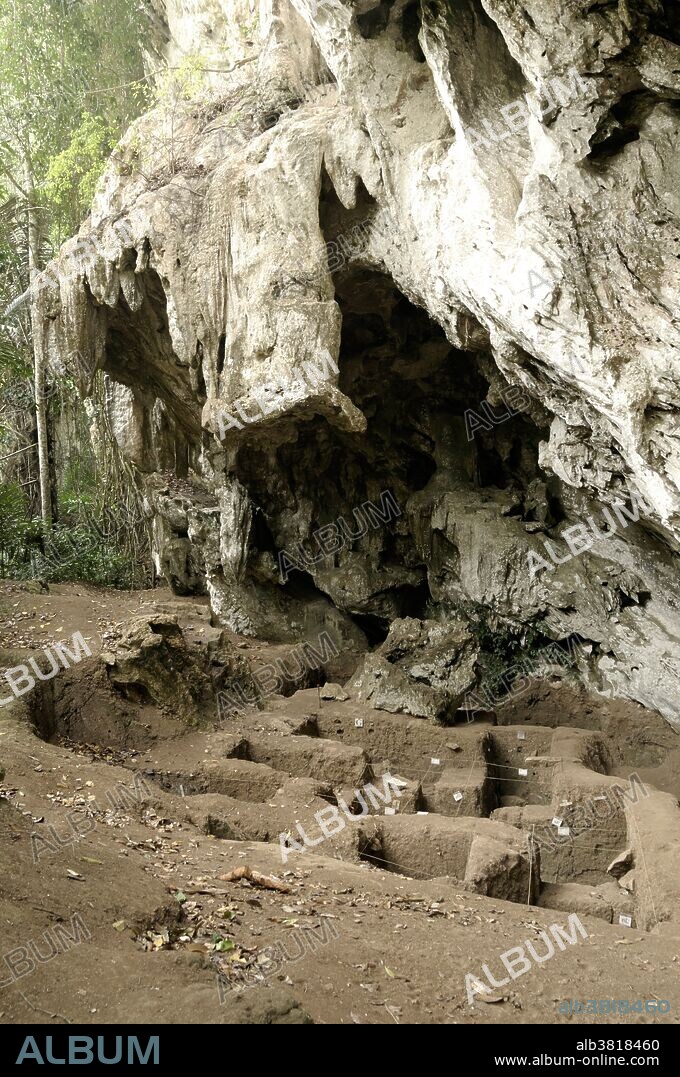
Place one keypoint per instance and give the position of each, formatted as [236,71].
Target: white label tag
[626,921]
[435,762]
[458,796]
[563,831]
[422,813]
[390,811]
[521,735]
[599,798]
[359,723]
[522,772]
[557,822]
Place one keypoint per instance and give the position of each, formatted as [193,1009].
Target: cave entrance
[414,388]
[139,355]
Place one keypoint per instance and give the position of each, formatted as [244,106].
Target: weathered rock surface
[423,669]
[371,220]
[621,864]
[150,660]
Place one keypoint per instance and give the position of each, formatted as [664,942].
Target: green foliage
[182,83]
[15,361]
[16,530]
[84,546]
[175,87]
[72,78]
[248,30]
[72,175]
[85,552]
[502,644]
[15,372]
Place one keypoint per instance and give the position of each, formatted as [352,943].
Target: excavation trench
[513,809]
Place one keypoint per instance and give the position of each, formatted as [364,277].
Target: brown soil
[144,876]
[639,739]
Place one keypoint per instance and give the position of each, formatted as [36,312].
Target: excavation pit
[512,806]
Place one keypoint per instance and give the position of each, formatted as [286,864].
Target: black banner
[494,1046]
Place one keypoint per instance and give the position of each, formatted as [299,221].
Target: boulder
[423,668]
[149,660]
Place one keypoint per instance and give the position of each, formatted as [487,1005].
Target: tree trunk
[34,267]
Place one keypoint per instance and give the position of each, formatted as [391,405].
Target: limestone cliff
[433,205]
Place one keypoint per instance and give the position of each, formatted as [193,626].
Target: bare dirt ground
[161,938]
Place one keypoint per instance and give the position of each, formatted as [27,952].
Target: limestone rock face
[423,669]
[429,251]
